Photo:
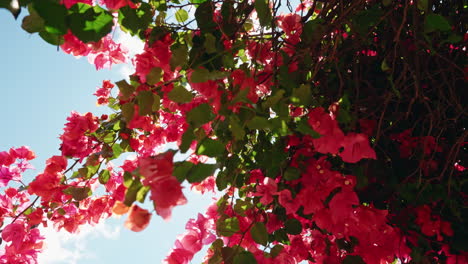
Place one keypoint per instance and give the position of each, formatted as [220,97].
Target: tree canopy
[335,131]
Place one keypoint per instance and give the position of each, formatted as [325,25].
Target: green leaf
[54,39]
[78,193]
[258,122]
[11,6]
[241,206]
[141,194]
[302,95]
[180,95]
[104,176]
[210,148]
[259,233]
[134,20]
[273,100]
[304,128]
[131,194]
[200,115]
[32,23]
[204,15]
[116,150]
[244,257]
[264,12]
[366,19]
[200,75]
[436,22]
[154,76]
[89,23]
[423,5]
[179,55]
[181,15]
[293,226]
[145,103]
[128,111]
[210,43]
[276,250]
[292,173]
[187,139]
[125,89]
[236,129]
[313,31]
[193,172]
[54,16]
[227,226]
[281,236]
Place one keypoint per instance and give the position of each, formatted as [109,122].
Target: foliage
[337,129]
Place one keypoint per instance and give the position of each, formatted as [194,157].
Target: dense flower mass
[330,132]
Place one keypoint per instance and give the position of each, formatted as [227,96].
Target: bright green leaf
[227,226]
[54,39]
[141,194]
[131,194]
[104,176]
[89,23]
[181,15]
[53,14]
[134,20]
[210,147]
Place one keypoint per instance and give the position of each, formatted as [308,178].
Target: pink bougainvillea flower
[179,256]
[138,218]
[286,200]
[103,92]
[266,190]
[5,176]
[321,121]
[166,194]
[45,185]
[6,159]
[56,164]
[70,3]
[356,147]
[117,4]
[22,153]
[207,185]
[14,232]
[156,168]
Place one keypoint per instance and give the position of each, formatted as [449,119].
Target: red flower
[356,147]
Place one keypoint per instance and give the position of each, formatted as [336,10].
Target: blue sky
[40,86]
